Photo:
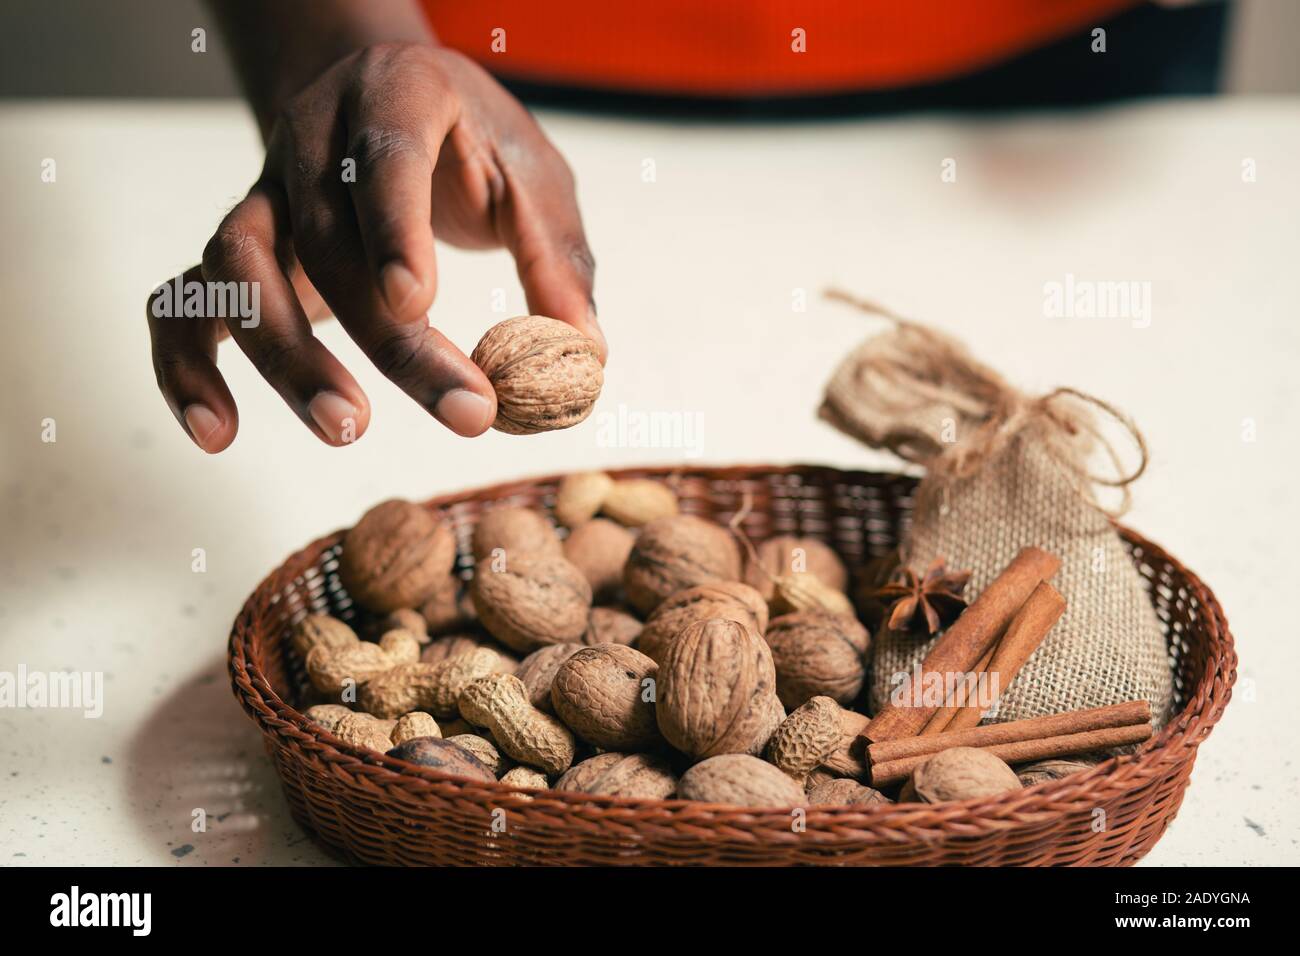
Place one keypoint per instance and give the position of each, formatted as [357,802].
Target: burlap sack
[1005,471]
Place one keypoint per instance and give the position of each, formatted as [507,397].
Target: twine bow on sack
[923,396]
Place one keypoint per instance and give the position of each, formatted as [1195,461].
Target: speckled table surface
[701,270]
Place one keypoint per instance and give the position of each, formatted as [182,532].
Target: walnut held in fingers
[676,553]
[715,686]
[729,600]
[442,755]
[740,780]
[816,653]
[396,556]
[927,602]
[606,695]
[533,601]
[599,549]
[546,374]
[514,531]
[962,773]
[635,776]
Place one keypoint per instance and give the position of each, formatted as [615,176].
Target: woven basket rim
[1108,780]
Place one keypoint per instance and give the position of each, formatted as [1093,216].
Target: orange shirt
[753,47]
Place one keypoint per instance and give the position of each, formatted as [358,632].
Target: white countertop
[697,274]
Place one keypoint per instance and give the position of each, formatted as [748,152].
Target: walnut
[715,689]
[962,773]
[532,601]
[580,495]
[515,531]
[448,608]
[396,556]
[605,695]
[599,549]
[611,625]
[546,374]
[675,553]
[729,600]
[817,654]
[537,671]
[787,554]
[740,780]
[845,792]
[635,776]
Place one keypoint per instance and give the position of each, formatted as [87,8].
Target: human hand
[439,148]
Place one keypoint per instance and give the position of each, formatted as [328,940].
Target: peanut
[415,724]
[500,704]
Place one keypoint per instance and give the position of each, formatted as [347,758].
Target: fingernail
[464,412]
[335,416]
[202,423]
[399,286]
[596,332]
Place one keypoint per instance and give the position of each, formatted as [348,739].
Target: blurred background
[140,48]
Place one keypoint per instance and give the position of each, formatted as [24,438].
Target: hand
[440,149]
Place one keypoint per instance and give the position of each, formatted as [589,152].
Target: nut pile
[632,651]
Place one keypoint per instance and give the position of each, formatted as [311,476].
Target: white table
[698,272]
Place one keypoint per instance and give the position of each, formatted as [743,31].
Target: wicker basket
[373,809]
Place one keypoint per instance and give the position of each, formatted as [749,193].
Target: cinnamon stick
[1024,751]
[1025,632]
[942,719]
[963,644]
[1035,728]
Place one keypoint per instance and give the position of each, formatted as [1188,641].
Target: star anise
[935,599]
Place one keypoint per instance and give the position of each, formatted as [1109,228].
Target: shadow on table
[198,760]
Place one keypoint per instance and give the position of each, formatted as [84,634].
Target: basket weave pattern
[371,809]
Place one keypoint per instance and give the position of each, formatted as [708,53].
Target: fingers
[397,111]
[390,186]
[418,359]
[542,228]
[270,326]
[184,363]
